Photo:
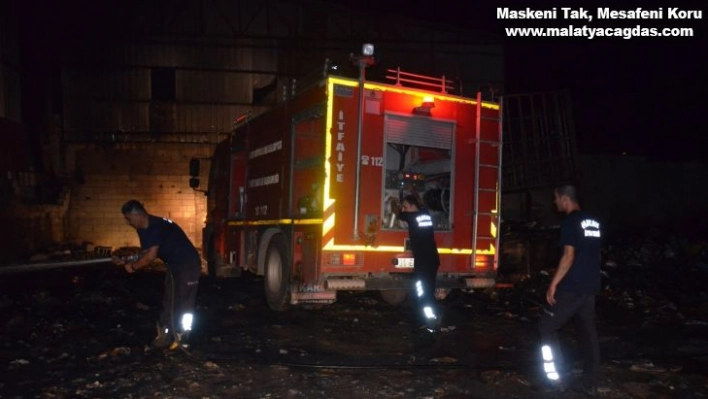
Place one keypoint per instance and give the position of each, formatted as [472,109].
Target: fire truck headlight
[367,49]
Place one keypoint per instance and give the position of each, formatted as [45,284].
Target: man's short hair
[133,206]
[568,190]
[411,199]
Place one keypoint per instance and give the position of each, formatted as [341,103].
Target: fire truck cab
[306,193]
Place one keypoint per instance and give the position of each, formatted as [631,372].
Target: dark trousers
[425,279]
[179,296]
[580,308]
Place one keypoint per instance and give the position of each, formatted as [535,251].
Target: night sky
[640,96]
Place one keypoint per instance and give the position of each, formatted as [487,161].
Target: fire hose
[198,356]
[239,358]
[32,267]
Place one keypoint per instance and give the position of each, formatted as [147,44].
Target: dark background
[642,96]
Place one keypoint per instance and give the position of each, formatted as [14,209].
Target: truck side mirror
[194,182]
[194,166]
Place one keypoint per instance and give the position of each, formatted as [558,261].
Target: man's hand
[551,295]
[395,206]
[117,261]
[129,268]
[565,263]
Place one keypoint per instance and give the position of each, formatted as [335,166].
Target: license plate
[404,263]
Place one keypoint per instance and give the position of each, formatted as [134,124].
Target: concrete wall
[156,174]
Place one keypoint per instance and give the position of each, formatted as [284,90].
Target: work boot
[181,339]
[163,339]
[549,386]
[433,326]
[586,387]
[424,337]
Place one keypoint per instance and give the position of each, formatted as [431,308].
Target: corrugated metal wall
[211,85]
[214,54]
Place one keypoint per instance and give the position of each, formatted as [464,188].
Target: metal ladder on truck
[487,183]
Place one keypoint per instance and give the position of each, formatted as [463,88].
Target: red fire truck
[305,193]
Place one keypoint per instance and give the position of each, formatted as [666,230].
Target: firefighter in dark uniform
[164,239]
[571,293]
[426,259]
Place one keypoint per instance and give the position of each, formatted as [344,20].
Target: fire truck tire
[277,275]
[394,297]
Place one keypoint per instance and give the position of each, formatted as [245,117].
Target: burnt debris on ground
[84,332]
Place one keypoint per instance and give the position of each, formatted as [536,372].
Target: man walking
[164,239]
[572,291]
[426,259]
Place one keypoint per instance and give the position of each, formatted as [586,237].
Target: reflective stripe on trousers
[549,365]
[179,300]
[571,306]
[424,298]
[187,320]
[185,323]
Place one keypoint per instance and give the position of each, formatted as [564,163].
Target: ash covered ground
[84,332]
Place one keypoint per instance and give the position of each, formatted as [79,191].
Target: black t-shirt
[421,234]
[175,249]
[582,232]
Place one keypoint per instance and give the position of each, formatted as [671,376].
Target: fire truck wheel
[394,297]
[277,275]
